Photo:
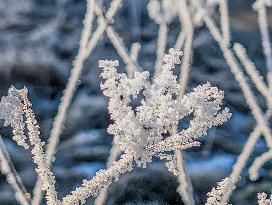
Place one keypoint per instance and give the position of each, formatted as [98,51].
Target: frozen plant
[142,132]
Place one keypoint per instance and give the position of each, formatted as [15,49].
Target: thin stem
[258,163]
[263,26]
[118,43]
[224,20]
[180,40]
[253,73]
[38,155]
[161,45]
[13,178]
[185,188]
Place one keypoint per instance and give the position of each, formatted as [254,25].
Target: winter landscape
[136,102]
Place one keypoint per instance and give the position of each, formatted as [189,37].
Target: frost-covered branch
[161,45]
[186,20]
[38,155]
[101,179]
[162,12]
[118,43]
[114,154]
[71,85]
[245,154]
[239,76]
[185,188]
[253,73]
[216,194]
[67,93]
[258,163]
[83,53]
[260,7]
[180,40]
[22,109]
[224,20]
[251,101]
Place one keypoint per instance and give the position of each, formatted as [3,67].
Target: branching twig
[117,42]
[239,76]
[258,163]
[86,47]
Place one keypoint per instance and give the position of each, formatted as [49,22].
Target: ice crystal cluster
[262,199]
[146,131]
[11,111]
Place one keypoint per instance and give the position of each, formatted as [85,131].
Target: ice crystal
[262,199]
[11,111]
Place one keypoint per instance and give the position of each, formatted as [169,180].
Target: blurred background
[38,42]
